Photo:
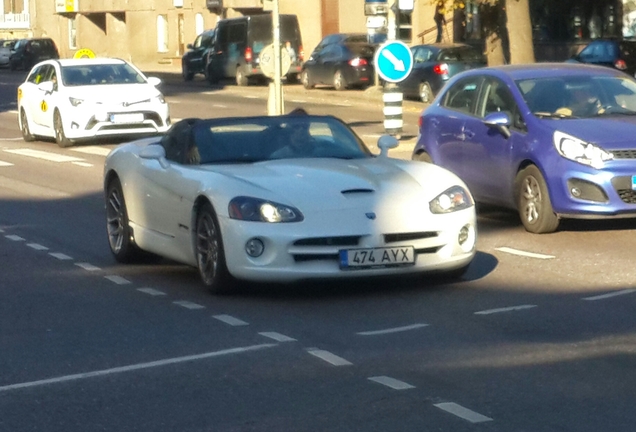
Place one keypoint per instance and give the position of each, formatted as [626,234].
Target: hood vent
[351,192]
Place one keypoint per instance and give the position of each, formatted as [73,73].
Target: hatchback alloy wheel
[534,206]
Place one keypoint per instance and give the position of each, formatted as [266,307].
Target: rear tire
[209,252]
[241,79]
[120,238]
[425,92]
[58,126]
[339,81]
[24,127]
[533,202]
[306,79]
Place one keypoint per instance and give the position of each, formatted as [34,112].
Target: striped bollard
[393,121]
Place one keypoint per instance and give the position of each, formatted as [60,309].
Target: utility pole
[278,89]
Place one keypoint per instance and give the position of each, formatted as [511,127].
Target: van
[192,62]
[27,52]
[239,41]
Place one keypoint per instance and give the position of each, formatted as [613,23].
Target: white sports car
[81,99]
[282,199]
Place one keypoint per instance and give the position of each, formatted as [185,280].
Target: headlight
[75,102]
[258,210]
[452,199]
[580,151]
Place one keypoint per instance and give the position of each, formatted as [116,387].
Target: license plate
[127,118]
[377,257]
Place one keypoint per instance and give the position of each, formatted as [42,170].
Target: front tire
[209,252]
[533,202]
[422,157]
[58,126]
[187,74]
[120,238]
[339,81]
[24,127]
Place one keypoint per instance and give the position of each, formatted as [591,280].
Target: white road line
[83,164]
[219,106]
[94,150]
[228,319]
[298,101]
[37,246]
[462,412]
[188,304]
[392,330]
[328,357]
[60,256]
[12,139]
[391,382]
[87,266]
[14,112]
[524,253]
[14,237]
[277,337]
[371,136]
[506,309]
[151,291]
[5,164]
[251,97]
[608,295]
[51,157]
[118,280]
[134,367]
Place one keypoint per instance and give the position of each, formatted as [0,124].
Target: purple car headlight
[580,151]
[259,210]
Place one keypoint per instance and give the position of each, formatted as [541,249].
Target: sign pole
[392,96]
[278,89]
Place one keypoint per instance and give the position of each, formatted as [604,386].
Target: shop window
[162,33]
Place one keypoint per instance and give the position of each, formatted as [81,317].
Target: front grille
[624,154]
[329,241]
[315,257]
[400,237]
[623,187]
[627,195]
[148,115]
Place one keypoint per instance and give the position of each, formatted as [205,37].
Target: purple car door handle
[468,133]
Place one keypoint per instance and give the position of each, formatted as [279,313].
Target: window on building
[162,33]
[72,32]
[199,25]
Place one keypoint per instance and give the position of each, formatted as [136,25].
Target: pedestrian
[440,20]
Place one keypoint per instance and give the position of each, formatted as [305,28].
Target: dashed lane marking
[219,106]
[5,164]
[328,357]
[228,319]
[462,412]
[506,309]
[151,291]
[118,280]
[391,382]
[38,154]
[609,295]
[138,366]
[524,253]
[60,256]
[83,164]
[188,304]
[277,337]
[37,246]
[93,150]
[14,237]
[392,330]
[87,266]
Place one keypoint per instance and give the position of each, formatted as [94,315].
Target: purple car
[549,140]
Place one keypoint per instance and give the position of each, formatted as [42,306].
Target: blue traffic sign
[393,61]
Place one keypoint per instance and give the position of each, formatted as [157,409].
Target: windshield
[247,140]
[94,74]
[579,96]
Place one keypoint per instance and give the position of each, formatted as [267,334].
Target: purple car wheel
[534,206]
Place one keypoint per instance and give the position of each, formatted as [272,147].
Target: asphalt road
[539,336]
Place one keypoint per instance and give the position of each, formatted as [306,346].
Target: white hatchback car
[83,99]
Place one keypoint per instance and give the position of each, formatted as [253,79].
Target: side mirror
[386,142]
[500,121]
[46,86]
[154,81]
[154,152]
[190,46]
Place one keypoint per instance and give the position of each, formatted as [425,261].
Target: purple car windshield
[579,96]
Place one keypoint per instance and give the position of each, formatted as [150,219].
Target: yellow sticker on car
[44,106]
[19,94]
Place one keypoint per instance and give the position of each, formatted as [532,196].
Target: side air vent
[357,191]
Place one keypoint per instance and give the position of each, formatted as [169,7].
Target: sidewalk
[372,95]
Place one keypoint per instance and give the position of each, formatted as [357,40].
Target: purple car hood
[612,133]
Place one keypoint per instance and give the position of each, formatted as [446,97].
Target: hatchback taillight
[420,122]
[358,62]
[620,64]
[301,53]
[441,69]
[248,54]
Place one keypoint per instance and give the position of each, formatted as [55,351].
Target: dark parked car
[239,41]
[619,54]
[193,61]
[28,52]
[435,64]
[551,140]
[342,61]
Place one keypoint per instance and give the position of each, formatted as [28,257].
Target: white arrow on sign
[397,64]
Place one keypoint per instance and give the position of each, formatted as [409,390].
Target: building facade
[158,31]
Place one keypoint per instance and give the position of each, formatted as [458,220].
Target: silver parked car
[6,45]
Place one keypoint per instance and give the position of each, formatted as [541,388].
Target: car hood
[613,133]
[117,93]
[324,184]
